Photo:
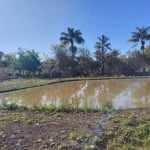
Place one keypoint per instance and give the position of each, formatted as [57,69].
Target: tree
[49,68]
[147,52]
[61,58]
[84,62]
[6,61]
[141,35]
[1,54]
[70,38]
[32,61]
[147,56]
[27,61]
[102,46]
[113,62]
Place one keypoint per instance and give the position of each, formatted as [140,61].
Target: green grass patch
[78,136]
[44,108]
[2,134]
[126,131]
[107,106]
[18,84]
[12,106]
[15,117]
[63,107]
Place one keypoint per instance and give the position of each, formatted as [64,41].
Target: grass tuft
[78,136]
[126,132]
[107,107]
[12,106]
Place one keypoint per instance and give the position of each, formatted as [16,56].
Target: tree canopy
[71,37]
[140,35]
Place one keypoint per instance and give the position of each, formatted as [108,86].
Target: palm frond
[64,34]
[103,43]
[72,36]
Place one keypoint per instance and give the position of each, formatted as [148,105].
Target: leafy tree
[71,37]
[147,57]
[6,61]
[147,52]
[102,46]
[141,35]
[27,61]
[113,62]
[1,54]
[84,62]
[32,61]
[135,62]
[61,58]
[49,68]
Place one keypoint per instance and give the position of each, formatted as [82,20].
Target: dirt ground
[42,131]
[32,130]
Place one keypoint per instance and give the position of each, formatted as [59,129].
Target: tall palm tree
[141,35]
[101,49]
[70,38]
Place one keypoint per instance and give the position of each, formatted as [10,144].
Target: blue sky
[35,24]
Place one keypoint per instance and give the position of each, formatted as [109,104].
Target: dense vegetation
[72,61]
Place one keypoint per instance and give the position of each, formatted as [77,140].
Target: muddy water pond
[123,93]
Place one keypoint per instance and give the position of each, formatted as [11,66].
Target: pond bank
[20,84]
[27,129]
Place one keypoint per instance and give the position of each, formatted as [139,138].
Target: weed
[99,142]
[44,108]
[63,147]
[126,131]
[12,106]
[64,107]
[2,134]
[15,117]
[107,107]
[78,135]
[52,108]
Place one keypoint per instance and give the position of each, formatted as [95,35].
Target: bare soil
[42,131]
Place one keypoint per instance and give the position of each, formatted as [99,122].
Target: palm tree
[141,35]
[70,38]
[101,49]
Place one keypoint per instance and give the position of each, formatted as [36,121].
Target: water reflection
[124,93]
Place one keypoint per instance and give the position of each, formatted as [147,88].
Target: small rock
[91,147]
[51,140]
[63,131]
[37,124]
[39,140]
[18,144]
[12,136]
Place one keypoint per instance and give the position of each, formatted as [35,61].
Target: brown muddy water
[123,93]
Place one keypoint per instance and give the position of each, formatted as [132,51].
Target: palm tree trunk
[142,49]
[103,63]
[71,49]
